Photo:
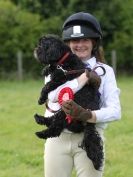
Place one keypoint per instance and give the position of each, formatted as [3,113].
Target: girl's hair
[98,51]
[99,54]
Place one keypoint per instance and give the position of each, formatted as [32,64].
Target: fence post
[114,61]
[20,65]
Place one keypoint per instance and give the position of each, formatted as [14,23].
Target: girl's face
[82,48]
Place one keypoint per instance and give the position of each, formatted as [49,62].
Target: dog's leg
[43,96]
[93,145]
[50,132]
[58,123]
[42,120]
[50,86]
[44,134]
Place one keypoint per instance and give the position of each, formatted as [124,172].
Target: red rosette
[66,94]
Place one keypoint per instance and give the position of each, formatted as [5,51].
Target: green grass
[21,153]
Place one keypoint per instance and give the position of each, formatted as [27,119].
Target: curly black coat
[49,52]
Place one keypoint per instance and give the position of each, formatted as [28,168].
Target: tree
[22,22]
[19,30]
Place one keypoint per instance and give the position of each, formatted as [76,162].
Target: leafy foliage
[22,22]
[19,30]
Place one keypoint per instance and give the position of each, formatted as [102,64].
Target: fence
[112,56]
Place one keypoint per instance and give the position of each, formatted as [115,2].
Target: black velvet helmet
[81,25]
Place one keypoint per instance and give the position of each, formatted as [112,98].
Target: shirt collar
[91,62]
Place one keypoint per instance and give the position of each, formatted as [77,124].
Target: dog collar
[61,61]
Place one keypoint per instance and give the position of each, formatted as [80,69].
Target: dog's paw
[39,119]
[44,95]
[41,101]
[40,135]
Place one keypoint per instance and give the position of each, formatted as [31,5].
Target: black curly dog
[60,63]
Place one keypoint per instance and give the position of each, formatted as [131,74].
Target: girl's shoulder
[103,66]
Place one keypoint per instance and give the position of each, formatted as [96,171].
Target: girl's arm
[75,85]
[110,108]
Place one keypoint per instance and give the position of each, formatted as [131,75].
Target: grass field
[21,153]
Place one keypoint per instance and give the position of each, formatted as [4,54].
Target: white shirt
[110,104]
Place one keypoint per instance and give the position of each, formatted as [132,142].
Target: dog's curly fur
[50,49]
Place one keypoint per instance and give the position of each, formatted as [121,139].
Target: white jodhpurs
[63,153]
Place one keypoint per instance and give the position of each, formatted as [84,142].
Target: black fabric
[86,32]
[83,19]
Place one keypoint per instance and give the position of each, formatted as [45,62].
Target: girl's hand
[76,111]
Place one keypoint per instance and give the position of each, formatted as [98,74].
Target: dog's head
[50,49]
